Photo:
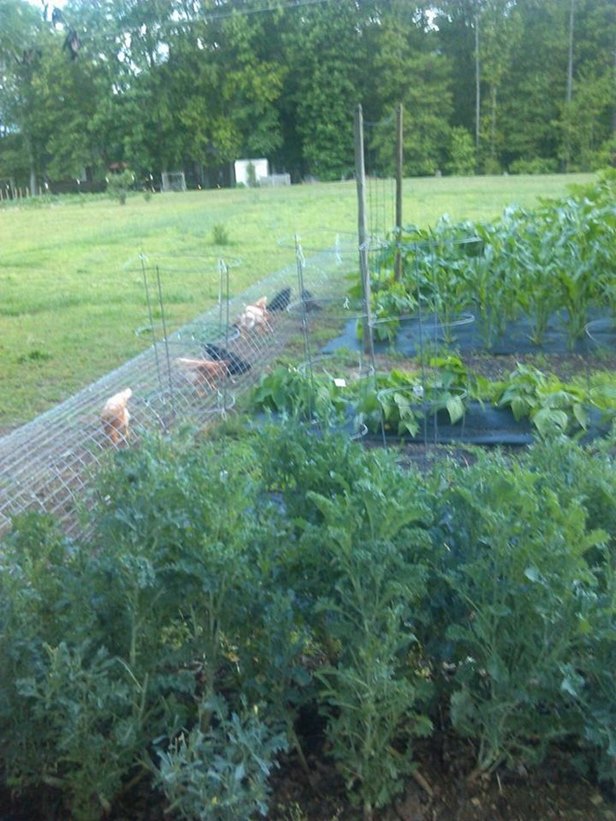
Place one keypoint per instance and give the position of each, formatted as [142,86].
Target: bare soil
[442,790]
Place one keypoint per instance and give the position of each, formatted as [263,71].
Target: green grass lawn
[72,297]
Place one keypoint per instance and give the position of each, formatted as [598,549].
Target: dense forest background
[487,86]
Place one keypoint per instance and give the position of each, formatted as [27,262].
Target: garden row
[437,389]
[555,264]
[231,586]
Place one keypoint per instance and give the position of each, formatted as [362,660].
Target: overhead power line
[243,12]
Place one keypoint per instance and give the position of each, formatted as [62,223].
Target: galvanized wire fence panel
[189,376]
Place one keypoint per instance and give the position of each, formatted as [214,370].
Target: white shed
[249,172]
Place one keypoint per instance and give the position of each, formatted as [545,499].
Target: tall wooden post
[399,164]
[364,272]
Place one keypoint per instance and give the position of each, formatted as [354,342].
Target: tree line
[487,86]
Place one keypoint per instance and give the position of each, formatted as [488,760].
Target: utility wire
[292,4]
[244,12]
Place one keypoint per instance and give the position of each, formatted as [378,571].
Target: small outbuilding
[250,172]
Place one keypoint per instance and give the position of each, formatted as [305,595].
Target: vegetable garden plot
[411,336]
[437,401]
[536,283]
[186,377]
[531,280]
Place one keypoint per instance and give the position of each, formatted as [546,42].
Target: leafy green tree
[462,157]
[23,42]
[174,83]
[408,68]
[530,101]
[457,35]
[585,121]
[588,116]
[499,28]
[325,49]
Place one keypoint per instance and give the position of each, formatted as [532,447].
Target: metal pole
[165,338]
[151,319]
[360,175]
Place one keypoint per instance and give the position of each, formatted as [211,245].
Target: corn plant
[437,266]
[557,261]
[391,300]
[577,233]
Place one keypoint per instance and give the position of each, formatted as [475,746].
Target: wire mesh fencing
[186,377]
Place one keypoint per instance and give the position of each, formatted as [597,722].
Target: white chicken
[255,316]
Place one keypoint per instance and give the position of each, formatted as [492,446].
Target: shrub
[373,541]
[220,772]
[519,574]
[220,235]
[233,585]
[537,165]
[118,185]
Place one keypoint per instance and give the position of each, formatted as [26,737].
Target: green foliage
[118,185]
[220,234]
[89,712]
[552,407]
[556,262]
[300,395]
[220,772]
[373,539]
[161,597]
[400,53]
[462,159]
[518,570]
[284,85]
[296,462]
[574,473]
[85,707]
[391,300]
[538,165]
[402,400]
[231,585]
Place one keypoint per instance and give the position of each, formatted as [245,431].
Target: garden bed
[483,399]
[447,794]
[276,621]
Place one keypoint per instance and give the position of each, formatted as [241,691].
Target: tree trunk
[362,233]
[33,182]
[493,107]
[399,176]
[477,87]
[569,91]
[614,111]
[569,94]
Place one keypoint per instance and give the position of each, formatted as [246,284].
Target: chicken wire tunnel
[185,377]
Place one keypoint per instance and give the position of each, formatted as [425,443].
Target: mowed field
[72,295]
